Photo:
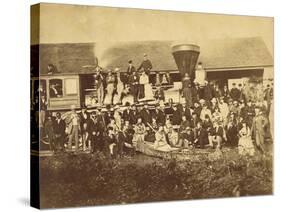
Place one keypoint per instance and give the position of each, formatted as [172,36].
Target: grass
[91,179]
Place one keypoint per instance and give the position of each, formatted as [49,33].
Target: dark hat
[127,104]
[130,61]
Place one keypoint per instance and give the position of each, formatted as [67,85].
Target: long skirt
[138,142]
[109,95]
[245,146]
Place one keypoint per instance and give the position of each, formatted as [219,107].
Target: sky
[104,25]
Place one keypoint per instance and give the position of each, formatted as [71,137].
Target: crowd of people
[211,117]
[225,119]
[113,87]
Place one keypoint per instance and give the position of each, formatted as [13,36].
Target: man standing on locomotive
[146,65]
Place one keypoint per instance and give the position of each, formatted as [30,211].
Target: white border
[14,87]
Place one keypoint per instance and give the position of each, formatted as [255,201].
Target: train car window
[55,88]
[71,86]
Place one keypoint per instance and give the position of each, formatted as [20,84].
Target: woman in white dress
[245,144]
[144,80]
[110,81]
[119,89]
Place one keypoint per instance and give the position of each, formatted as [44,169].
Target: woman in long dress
[144,80]
[172,135]
[110,81]
[119,90]
[140,131]
[245,144]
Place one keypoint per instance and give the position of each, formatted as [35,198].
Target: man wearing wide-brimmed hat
[260,122]
[73,128]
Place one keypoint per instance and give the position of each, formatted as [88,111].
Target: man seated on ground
[151,129]
[110,143]
[201,136]
[216,135]
[160,140]
[184,124]
[127,137]
[188,138]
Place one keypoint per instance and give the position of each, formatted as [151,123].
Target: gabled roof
[240,52]
[68,58]
[214,54]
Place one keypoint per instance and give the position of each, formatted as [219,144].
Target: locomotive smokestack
[186,56]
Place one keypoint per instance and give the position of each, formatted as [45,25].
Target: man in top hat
[133,114]
[131,68]
[126,111]
[133,82]
[146,64]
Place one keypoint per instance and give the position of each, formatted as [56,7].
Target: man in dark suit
[133,115]
[130,68]
[126,112]
[176,117]
[133,82]
[146,65]
[201,136]
[216,135]
[234,92]
[59,130]
[145,115]
[159,115]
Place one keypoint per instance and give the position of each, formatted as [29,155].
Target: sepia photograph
[137,105]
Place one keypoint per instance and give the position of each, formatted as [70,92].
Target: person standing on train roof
[146,65]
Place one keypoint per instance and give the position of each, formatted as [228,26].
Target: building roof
[214,54]
[67,58]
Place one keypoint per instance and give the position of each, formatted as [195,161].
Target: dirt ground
[91,179]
